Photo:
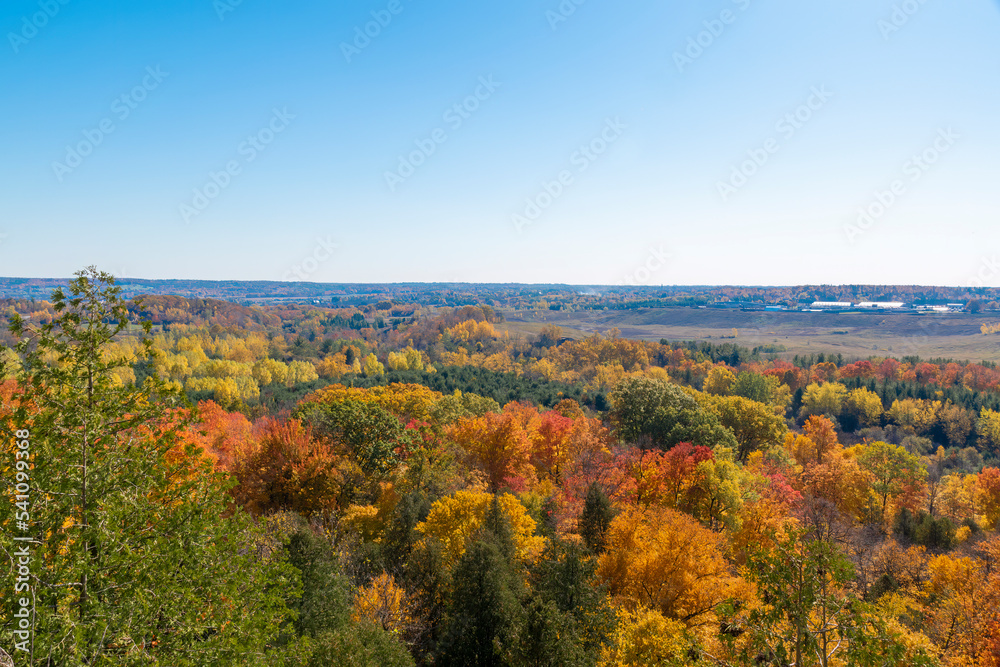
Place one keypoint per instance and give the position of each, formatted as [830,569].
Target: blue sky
[717,142]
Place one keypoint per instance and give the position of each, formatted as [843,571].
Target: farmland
[927,335]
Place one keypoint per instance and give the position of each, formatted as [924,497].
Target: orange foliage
[222,433]
[283,468]
[499,446]
[665,560]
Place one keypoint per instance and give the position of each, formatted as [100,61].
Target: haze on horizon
[731,142]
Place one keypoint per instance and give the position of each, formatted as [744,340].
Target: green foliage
[360,644]
[132,558]
[809,617]
[548,638]
[754,424]
[755,386]
[368,430]
[496,385]
[565,580]
[893,470]
[400,535]
[596,519]
[923,529]
[453,407]
[324,632]
[661,413]
[484,614]
[325,602]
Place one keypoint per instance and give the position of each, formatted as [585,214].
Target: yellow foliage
[301,372]
[892,608]
[988,329]
[363,520]
[406,360]
[865,405]
[269,371]
[949,576]
[646,637]
[827,398]
[455,519]
[719,381]
[411,401]
[122,376]
[373,366]
[13,363]
[472,331]
[665,560]
[333,366]
[384,603]
[917,414]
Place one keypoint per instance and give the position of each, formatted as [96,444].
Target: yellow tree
[719,381]
[962,608]
[864,405]
[665,560]
[646,637]
[384,603]
[957,423]
[454,520]
[300,372]
[754,424]
[820,431]
[988,428]
[916,414]
[823,399]
[373,367]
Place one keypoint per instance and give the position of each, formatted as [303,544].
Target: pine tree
[133,559]
[595,519]
[485,615]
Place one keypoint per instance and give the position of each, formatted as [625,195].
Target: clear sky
[588,142]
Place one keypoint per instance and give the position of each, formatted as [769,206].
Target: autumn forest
[396,483]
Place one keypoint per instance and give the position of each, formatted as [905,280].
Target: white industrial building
[881,305]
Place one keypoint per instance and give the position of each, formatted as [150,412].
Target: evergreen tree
[595,519]
[133,560]
[570,605]
[485,615]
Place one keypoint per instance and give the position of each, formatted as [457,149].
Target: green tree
[809,617]
[754,424]
[595,519]
[894,471]
[329,636]
[664,415]
[484,616]
[569,595]
[369,431]
[133,562]
[755,386]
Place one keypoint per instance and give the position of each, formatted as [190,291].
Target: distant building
[830,305]
[881,305]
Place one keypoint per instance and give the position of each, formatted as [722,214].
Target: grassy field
[861,335]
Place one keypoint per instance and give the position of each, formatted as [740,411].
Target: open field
[928,335]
